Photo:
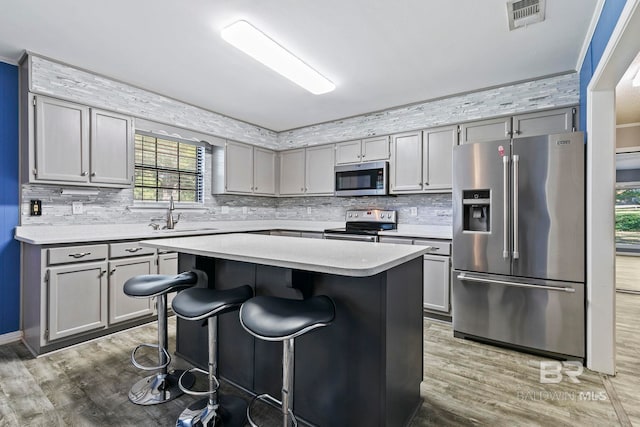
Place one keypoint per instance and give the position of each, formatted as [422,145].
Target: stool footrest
[267,397]
[193,392]
[150,368]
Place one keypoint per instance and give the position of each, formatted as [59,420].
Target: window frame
[199,174]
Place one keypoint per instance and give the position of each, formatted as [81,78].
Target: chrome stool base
[159,388]
[231,411]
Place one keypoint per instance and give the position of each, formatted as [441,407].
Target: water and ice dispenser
[476,207]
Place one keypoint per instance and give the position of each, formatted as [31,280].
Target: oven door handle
[351,237]
[519,285]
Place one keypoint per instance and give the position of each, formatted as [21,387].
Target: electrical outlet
[413,211]
[225,210]
[77,208]
[35,207]
[309,210]
[245,210]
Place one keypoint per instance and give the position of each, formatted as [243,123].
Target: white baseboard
[10,337]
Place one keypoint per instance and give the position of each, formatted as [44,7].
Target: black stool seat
[277,319]
[200,303]
[151,285]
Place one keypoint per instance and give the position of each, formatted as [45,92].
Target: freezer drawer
[541,315]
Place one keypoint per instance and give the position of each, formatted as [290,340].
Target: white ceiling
[380,53]
[628,96]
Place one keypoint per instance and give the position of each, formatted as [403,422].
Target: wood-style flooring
[465,383]
[627,273]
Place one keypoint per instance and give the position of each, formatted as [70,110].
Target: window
[628,216]
[165,167]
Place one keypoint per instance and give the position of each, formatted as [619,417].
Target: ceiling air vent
[525,12]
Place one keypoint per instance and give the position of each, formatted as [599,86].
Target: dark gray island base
[365,369]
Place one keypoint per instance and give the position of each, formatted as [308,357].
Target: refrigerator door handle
[463,276]
[516,163]
[505,207]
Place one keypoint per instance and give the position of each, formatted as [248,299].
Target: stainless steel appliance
[364,225]
[362,179]
[518,243]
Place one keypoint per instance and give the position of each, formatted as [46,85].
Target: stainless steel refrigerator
[518,243]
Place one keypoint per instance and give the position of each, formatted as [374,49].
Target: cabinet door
[485,130]
[437,157]
[292,172]
[111,148]
[319,176]
[238,168]
[544,122]
[123,307]
[406,162]
[77,299]
[348,152]
[61,141]
[375,148]
[437,281]
[264,171]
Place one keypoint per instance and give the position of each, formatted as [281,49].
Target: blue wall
[606,23]
[9,248]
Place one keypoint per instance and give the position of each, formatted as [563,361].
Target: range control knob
[356,215]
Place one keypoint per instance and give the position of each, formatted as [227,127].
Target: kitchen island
[364,369]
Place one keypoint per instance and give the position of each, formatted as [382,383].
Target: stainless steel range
[364,225]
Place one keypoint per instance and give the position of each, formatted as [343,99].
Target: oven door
[362,179]
[352,237]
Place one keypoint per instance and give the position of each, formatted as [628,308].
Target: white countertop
[339,257]
[58,234]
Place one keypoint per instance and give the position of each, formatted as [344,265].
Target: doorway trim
[621,49]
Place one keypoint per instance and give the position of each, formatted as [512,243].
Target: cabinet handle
[255,189]
[302,189]
[93,174]
[113,270]
[132,250]
[85,173]
[79,254]
[364,155]
[103,272]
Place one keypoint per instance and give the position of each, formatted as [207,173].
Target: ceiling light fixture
[262,48]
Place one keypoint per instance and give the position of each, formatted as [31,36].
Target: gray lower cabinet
[77,299]
[72,293]
[121,306]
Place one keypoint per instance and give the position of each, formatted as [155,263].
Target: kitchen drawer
[119,250]
[438,247]
[67,254]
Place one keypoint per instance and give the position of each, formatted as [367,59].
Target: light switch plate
[245,210]
[225,209]
[413,211]
[77,208]
[309,210]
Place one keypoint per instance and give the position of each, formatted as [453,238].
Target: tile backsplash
[117,206]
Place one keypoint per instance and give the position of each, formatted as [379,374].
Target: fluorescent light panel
[262,48]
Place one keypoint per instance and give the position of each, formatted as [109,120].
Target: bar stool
[205,303]
[279,319]
[163,386]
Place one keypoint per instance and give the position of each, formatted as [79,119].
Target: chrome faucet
[171,221]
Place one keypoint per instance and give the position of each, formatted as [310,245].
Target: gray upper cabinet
[264,171]
[319,170]
[365,150]
[485,130]
[437,150]
[292,172]
[61,141]
[421,161]
[520,126]
[111,148]
[545,122]
[77,145]
[243,169]
[307,171]
[406,162]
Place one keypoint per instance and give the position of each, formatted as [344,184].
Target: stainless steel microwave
[362,179]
